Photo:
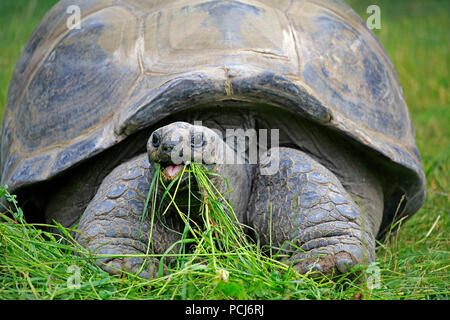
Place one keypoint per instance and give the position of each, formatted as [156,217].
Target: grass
[222,263]
[414,264]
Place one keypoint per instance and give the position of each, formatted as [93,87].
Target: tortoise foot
[146,268]
[327,261]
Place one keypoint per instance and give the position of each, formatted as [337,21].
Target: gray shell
[77,92]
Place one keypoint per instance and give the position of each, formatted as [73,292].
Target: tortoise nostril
[167,147]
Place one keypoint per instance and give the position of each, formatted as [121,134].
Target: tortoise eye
[156,140]
[197,140]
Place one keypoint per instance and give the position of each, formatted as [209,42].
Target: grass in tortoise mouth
[218,220]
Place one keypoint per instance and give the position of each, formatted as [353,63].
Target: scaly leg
[310,209]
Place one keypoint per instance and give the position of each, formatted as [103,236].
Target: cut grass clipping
[216,260]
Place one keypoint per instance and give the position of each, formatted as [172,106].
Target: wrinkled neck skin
[235,177]
[237,193]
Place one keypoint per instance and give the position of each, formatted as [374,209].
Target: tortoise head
[179,143]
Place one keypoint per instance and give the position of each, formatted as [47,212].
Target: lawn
[414,264]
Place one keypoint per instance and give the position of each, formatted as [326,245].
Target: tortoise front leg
[111,224]
[305,204]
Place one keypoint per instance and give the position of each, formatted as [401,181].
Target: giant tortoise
[92,111]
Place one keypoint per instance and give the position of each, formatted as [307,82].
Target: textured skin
[110,225]
[75,93]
